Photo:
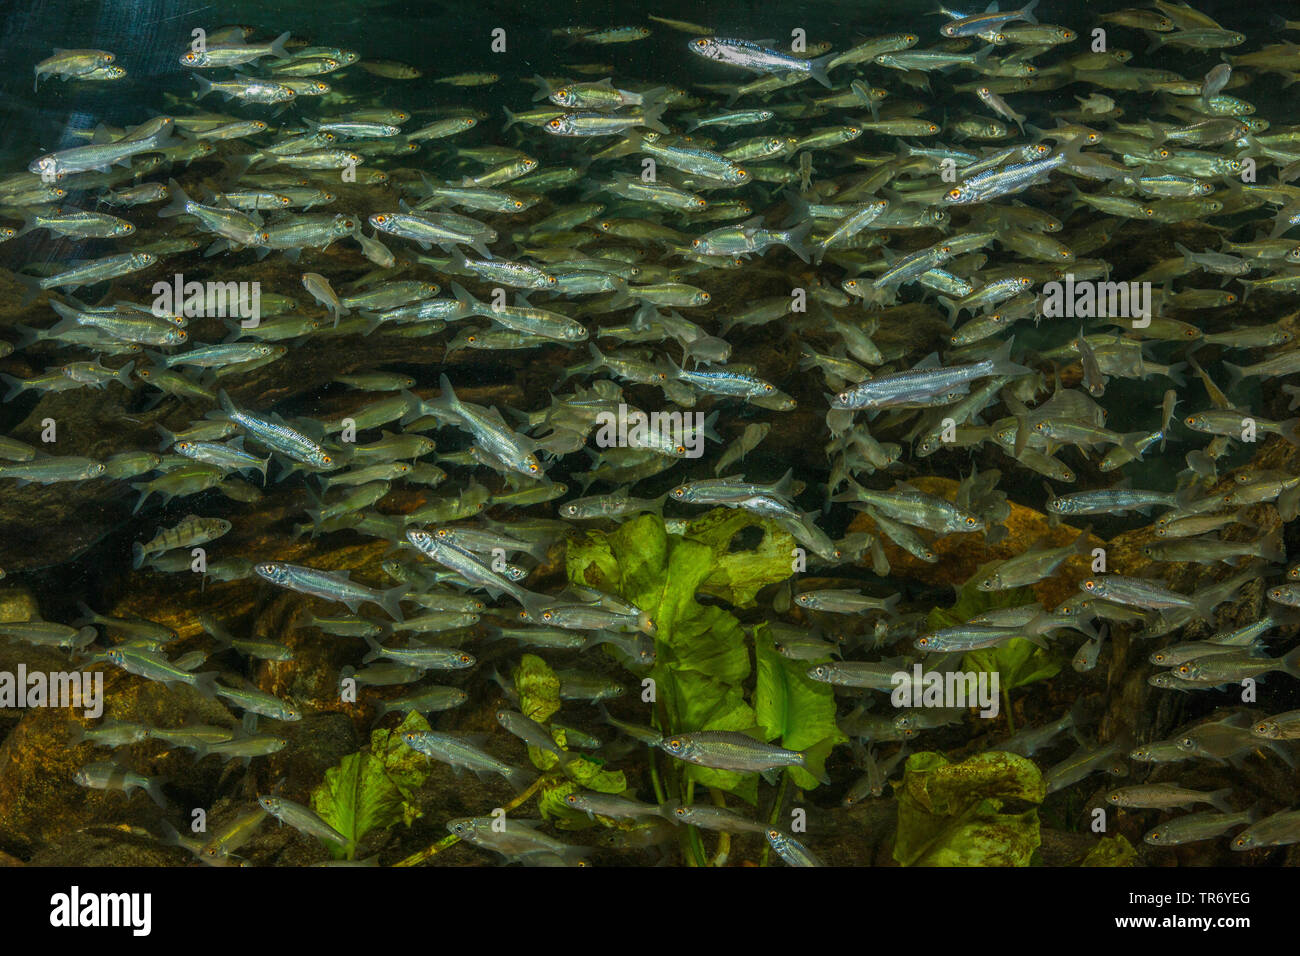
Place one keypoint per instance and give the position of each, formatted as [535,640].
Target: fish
[728,750]
[941,285]
[302,819]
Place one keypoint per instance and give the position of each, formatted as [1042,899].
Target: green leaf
[792,706]
[1111,851]
[373,789]
[538,688]
[592,775]
[737,575]
[951,814]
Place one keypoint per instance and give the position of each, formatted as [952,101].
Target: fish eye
[701,43]
[466,659]
[1090,585]
[983,91]
[327,459]
[970,522]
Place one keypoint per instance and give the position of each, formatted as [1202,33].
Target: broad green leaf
[592,775]
[951,814]
[538,688]
[737,575]
[792,706]
[374,788]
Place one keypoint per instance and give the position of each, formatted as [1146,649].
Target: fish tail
[1002,364]
[817,69]
[154,789]
[813,759]
[31,287]
[280,53]
[1272,549]
[544,89]
[137,555]
[519,778]
[1235,374]
[1290,662]
[205,86]
[177,206]
[124,375]
[1175,373]
[376,649]
[391,601]
[1290,430]
[1026,12]
[1219,799]
[650,117]
[796,238]
[16,386]
[206,684]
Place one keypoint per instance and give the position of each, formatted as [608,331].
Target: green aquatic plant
[375,788]
[700,680]
[539,698]
[952,814]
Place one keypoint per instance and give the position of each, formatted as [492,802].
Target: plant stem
[417,858]
[724,841]
[693,833]
[1006,703]
[776,813]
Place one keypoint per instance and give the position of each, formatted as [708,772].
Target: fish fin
[1219,799]
[391,601]
[279,52]
[817,69]
[818,752]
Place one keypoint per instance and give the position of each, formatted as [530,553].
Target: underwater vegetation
[869,447]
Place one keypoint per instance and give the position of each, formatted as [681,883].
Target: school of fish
[870,229]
